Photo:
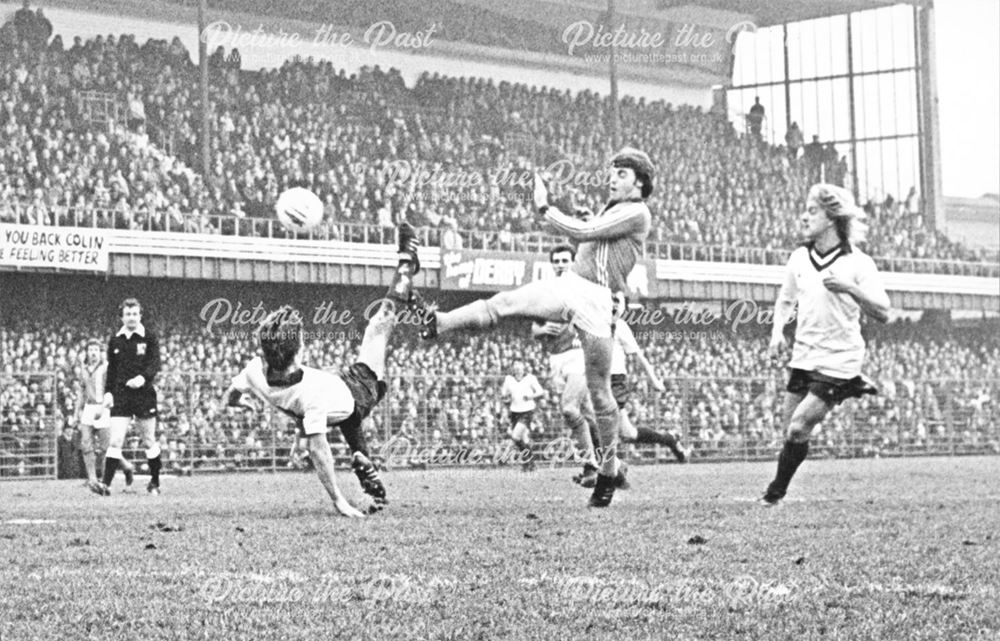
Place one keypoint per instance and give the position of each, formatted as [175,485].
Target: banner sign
[58,247]
[488,271]
[484,270]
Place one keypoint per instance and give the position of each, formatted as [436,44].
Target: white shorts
[591,305]
[562,365]
[95,415]
[569,298]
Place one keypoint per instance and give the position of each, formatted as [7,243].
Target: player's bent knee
[598,368]
[492,309]
[799,433]
[603,400]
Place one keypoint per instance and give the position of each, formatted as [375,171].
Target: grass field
[862,549]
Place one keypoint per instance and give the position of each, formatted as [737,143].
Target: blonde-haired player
[833,283]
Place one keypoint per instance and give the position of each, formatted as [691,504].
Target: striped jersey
[565,340]
[314,396]
[828,335]
[92,378]
[610,243]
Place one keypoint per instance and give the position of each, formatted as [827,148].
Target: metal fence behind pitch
[29,425]
[724,419]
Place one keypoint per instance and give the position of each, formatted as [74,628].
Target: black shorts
[521,417]
[138,403]
[620,389]
[831,390]
[366,389]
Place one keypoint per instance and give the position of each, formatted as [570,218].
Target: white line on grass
[28,521]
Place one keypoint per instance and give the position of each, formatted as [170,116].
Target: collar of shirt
[140,330]
[612,203]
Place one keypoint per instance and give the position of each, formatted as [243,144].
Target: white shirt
[828,335]
[317,398]
[522,392]
[623,346]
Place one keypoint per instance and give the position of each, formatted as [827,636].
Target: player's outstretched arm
[784,308]
[536,388]
[625,338]
[623,222]
[650,371]
[322,458]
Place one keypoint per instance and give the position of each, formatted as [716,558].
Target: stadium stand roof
[763,13]
[772,12]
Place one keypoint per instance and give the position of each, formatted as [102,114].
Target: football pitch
[862,549]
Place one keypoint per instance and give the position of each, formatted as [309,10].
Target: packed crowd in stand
[447,153]
[723,392]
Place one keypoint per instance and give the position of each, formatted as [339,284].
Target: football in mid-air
[299,209]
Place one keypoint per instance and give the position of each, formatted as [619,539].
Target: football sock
[402,283]
[523,451]
[527,454]
[111,462]
[88,463]
[376,337]
[153,457]
[480,314]
[354,435]
[607,428]
[99,464]
[792,455]
[646,435]
[405,265]
[584,442]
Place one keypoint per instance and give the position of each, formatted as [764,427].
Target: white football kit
[828,335]
[623,346]
[317,399]
[522,392]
